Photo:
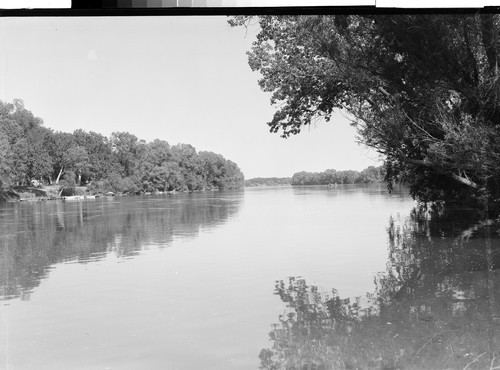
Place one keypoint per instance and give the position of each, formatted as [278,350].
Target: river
[344,277]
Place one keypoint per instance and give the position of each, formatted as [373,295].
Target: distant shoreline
[299,185]
[331,177]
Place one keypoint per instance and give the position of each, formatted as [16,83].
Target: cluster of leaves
[268,181]
[368,175]
[122,163]
[422,89]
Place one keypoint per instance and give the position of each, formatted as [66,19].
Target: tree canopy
[422,89]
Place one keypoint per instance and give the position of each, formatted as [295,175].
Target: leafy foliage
[422,89]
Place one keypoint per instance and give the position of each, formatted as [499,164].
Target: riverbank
[43,193]
[53,192]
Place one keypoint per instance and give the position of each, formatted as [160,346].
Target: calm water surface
[189,281]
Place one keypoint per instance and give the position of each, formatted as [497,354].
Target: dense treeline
[30,152]
[268,181]
[368,175]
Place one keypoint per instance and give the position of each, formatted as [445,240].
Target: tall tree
[128,150]
[186,157]
[423,90]
[60,144]
[20,155]
[77,160]
[99,152]
[213,168]
[39,160]
[6,162]
[26,138]
[23,117]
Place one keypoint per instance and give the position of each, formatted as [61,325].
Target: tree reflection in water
[437,306]
[36,236]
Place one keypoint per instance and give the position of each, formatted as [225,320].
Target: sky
[181,79]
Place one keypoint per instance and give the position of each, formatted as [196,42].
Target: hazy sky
[179,79]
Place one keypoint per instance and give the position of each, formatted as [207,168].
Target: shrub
[68,192]
[26,195]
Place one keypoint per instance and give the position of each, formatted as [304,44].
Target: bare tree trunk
[59,176]
[61,190]
[437,168]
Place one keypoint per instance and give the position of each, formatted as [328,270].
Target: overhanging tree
[423,90]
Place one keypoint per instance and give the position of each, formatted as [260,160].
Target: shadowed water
[436,306]
[189,281]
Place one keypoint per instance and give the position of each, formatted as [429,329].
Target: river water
[284,277]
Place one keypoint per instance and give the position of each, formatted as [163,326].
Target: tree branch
[439,169]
